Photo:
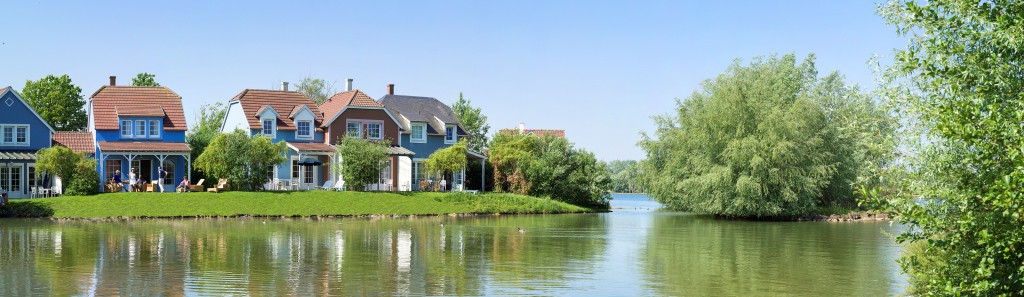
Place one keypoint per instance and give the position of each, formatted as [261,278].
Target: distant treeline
[625,176]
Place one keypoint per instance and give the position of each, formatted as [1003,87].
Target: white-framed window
[15,135]
[373,131]
[140,128]
[307,174]
[154,129]
[354,129]
[385,171]
[126,128]
[449,134]
[113,165]
[270,173]
[295,168]
[268,127]
[32,178]
[303,129]
[169,167]
[417,173]
[419,133]
[15,179]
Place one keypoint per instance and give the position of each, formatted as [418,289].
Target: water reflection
[634,252]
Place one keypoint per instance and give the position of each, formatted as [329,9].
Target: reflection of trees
[691,255]
[295,257]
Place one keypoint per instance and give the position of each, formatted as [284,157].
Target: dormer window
[268,127]
[154,128]
[303,129]
[140,128]
[449,134]
[419,133]
[126,128]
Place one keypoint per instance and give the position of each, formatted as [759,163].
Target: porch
[144,159]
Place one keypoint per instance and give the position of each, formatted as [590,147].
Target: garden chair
[339,186]
[198,187]
[222,185]
[327,185]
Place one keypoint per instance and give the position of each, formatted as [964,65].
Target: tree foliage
[549,166]
[145,79]
[73,169]
[241,159]
[625,176]
[208,123]
[474,121]
[449,159]
[58,101]
[959,83]
[361,161]
[767,139]
[315,88]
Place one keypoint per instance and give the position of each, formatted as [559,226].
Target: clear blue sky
[599,70]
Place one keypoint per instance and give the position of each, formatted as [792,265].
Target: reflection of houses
[141,128]
[427,126]
[287,116]
[22,133]
[352,113]
[538,132]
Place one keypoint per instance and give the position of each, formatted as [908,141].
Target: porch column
[483,176]
[188,160]
[160,183]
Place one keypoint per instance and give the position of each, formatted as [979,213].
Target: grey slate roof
[422,109]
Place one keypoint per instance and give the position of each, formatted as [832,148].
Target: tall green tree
[625,176]
[448,160]
[959,83]
[73,169]
[317,89]
[361,161]
[241,159]
[760,140]
[145,79]
[209,119]
[475,122]
[548,166]
[58,101]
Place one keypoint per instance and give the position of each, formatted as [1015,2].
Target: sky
[597,69]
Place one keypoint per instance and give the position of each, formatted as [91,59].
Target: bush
[84,180]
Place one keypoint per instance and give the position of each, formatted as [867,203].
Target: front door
[146,170]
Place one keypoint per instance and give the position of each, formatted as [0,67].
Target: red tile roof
[149,146]
[108,99]
[339,101]
[538,132]
[4,89]
[140,111]
[253,102]
[312,146]
[77,141]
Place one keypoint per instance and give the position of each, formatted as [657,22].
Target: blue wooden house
[291,117]
[22,133]
[140,129]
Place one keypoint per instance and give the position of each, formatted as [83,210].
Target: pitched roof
[30,108]
[77,141]
[109,99]
[254,101]
[538,132]
[311,146]
[148,146]
[353,98]
[139,111]
[422,109]
[4,89]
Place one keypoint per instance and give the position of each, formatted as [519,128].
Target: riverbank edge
[850,217]
[338,205]
[297,217]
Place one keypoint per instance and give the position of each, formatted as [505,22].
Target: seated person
[184,186]
[118,183]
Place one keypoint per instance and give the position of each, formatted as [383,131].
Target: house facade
[141,129]
[291,117]
[22,133]
[427,126]
[353,113]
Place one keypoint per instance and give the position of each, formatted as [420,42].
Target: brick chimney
[113,80]
[391,89]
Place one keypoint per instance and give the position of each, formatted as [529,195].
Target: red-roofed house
[139,129]
[77,141]
[539,132]
[287,116]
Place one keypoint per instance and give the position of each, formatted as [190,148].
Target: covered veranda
[306,176]
[145,158]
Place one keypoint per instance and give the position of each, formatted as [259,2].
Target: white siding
[404,173]
[235,119]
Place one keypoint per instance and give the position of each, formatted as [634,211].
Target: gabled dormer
[303,117]
[268,121]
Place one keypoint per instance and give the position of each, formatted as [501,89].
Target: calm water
[634,251]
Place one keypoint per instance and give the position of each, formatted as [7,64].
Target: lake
[636,250]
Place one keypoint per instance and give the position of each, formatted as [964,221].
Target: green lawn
[308,203]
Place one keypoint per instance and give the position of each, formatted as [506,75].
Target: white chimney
[348,85]
[284,86]
[522,127]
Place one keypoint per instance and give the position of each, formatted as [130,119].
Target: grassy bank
[307,203]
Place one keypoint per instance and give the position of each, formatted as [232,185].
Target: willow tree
[767,139]
[448,160]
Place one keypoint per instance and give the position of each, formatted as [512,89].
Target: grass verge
[289,204]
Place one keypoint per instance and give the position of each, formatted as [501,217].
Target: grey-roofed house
[427,126]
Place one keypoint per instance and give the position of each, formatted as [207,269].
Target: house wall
[338,128]
[423,150]
[235,118]
[115,135]
[39,135]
